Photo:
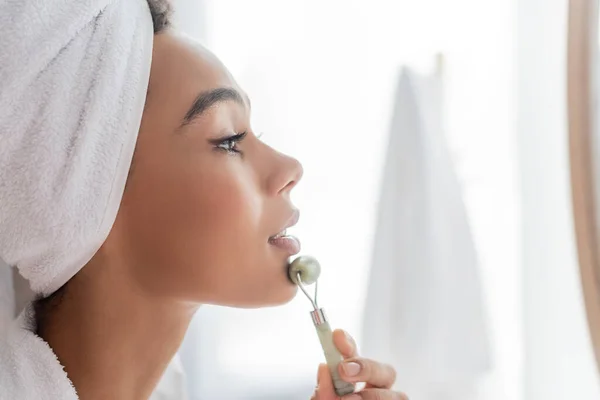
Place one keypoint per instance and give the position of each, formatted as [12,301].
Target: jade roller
[303,271]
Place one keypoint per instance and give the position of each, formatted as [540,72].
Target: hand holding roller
[305,270]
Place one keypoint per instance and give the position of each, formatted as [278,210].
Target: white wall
[190,17]
[559,361]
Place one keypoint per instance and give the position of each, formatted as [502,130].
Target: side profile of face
[205,195]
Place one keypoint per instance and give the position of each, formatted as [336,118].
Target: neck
[115,342]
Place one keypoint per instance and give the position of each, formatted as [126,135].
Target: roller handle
[332,355]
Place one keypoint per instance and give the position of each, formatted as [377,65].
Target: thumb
[325,389]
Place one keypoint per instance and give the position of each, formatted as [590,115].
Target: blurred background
[447,115]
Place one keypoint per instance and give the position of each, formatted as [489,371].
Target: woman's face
[200,207]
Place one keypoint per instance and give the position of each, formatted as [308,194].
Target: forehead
[182,68]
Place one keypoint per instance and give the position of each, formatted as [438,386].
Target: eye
[229,144]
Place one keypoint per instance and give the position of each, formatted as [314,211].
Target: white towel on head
[73,82]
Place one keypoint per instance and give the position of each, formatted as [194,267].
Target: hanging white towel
[424,309]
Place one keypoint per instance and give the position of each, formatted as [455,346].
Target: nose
[288,173]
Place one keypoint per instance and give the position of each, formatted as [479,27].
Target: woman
[200,219]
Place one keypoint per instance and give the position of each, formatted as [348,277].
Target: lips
[288,243]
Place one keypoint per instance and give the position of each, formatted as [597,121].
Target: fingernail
[353,396]
[350,340]
[348,337]
[351,368]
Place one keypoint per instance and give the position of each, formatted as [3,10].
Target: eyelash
[228,144]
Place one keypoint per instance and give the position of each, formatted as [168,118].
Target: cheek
[199,228]
[224,208]
[208,229]
[227,257]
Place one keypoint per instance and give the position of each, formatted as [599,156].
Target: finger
[381,394]
[374,373]
[344,343]
[325,389]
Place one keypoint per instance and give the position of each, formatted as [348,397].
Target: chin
[286,296]
[274,299]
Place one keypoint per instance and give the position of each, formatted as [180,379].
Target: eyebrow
[206,100]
